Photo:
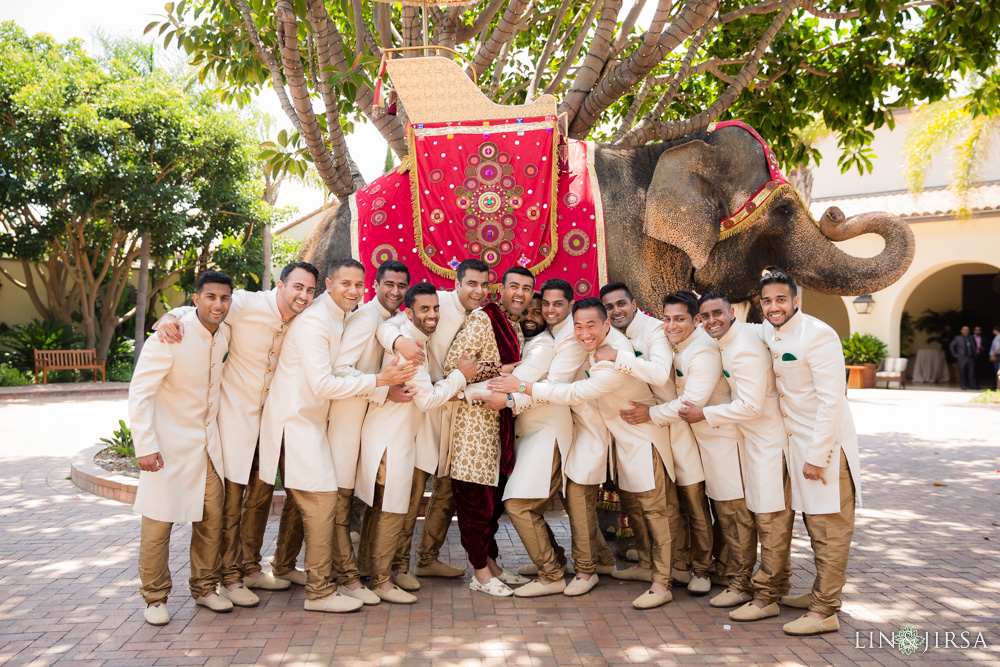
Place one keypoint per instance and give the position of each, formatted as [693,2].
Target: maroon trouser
[479,509]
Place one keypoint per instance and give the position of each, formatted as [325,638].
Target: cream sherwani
[755,411]
[613,390]
[808,363]
[303,386]
[258,332]
[173,407]
[699,380]
[537,429]
[360,354]
[404,432]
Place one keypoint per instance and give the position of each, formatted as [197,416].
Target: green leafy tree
[778,64]
[95,156]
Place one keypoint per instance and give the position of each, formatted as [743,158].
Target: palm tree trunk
[265,276]
[141,295]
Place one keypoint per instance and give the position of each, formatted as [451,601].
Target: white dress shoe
[362,593]
[266,581]
[156,614]
[494,587]
[241,597]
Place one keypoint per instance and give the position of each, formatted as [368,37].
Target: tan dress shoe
[529,570]
[681,576]
[632,555]
[650,600]
[537,589]
[580,586]
[215,602]
[297,577]
[633,574]
[699,585]
[241,597]
[512,578]
[796,601]
[729,598]
[443,570]
[334,603]
[406,581]
[751,612]
[156,614]
[605,569]
[395,595]
[266,581]
[805,626]
[364,594]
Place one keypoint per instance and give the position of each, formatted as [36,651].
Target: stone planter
[868,376]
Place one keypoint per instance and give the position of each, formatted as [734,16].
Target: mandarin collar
[793,323]
[730,335]
[684,344]
[335,310]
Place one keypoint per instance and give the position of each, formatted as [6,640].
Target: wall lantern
[864,304]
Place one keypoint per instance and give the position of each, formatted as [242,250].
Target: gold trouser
[774,530]
[739,532]
[290,531]
[603,555]
[830,536]
[581,505]
[385,540]
[657,508]
[528,517]
[316,508]
[694,550]
[242,528]
[404,545]
[206,537]
[440,511]
[640,530]
[345,563]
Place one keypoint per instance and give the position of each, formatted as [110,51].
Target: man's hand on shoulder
[170,330]
[605,353]
[410,349]
[150,462]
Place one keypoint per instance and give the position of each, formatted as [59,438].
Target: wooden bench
[67,360]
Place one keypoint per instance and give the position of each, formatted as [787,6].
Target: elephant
[664,204]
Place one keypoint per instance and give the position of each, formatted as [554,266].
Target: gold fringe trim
[762,203]
[355,232]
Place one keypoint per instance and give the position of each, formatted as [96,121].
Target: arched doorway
[959,286]
[827,307]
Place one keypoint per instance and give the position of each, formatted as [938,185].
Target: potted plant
[865,350]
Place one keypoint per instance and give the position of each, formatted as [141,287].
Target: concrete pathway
[924,555]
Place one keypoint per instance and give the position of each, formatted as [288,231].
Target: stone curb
[64,390]
[94,479]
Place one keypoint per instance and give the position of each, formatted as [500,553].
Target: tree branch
[543,59]
[488,51]
[581,37]
[483,19]
[593,63]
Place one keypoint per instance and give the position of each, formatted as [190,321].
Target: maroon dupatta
[510,352]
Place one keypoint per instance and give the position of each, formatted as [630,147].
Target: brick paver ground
[924,555]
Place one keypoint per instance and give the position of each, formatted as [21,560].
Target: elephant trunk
[826,268]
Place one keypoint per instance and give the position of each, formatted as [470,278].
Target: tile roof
[932,202]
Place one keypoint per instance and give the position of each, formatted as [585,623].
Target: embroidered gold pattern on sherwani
[475,445]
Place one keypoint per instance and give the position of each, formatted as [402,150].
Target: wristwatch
[523,387]
[510,401]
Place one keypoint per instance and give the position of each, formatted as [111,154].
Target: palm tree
[969,122]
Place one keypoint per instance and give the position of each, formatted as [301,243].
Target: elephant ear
[680,206]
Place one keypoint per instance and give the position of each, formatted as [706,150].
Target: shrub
[864,349]
[988,396]
[120,371]
[12,377]
[24,339]
[121,442]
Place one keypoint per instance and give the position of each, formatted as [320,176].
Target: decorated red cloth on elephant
[485,190]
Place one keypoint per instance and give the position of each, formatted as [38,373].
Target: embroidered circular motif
[475,247]
[474,160]
[490,233]
[379,202]
[506,247]
[508,221]
[383,253]
[430,250]
[379,218]
[471,235]
[576,242]
[751,207]
[530,170]
[488,150]
[470,222]
[582,287]
[534,212]
[493,277]
[544,249]
[509,234]
[489,172]
[490,202]
[571,199]
[375,189]
[507,183]
[463,202]
[471,184]
[436,176]
[437,215]
[515,202]
[491,256]
[503,158]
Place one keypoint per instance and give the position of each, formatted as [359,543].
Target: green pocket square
[638,353]
[679,374]
[225,357]
[725,372]
[587,373]
[788,357]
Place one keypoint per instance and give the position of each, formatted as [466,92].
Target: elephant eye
[784,209]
